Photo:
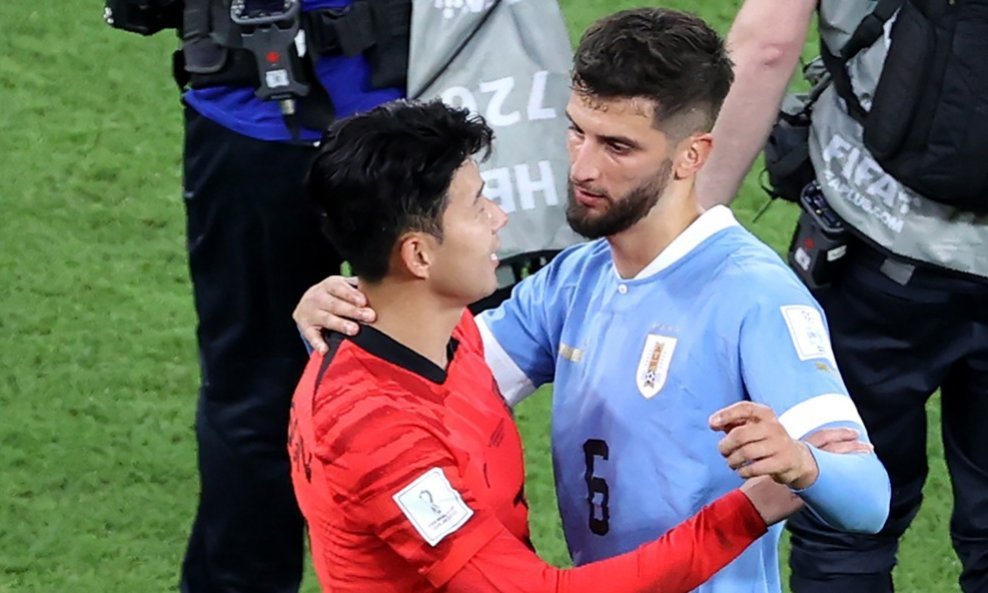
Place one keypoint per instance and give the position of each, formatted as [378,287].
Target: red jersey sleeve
[398,478]
[678,562]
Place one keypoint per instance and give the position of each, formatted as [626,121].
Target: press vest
[869,200]
[508,60]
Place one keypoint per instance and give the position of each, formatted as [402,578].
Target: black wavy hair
[386,172]
[671,57]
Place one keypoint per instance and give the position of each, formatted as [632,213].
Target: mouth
[589,199]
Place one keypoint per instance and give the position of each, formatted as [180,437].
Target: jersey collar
[387,348]
[709,223]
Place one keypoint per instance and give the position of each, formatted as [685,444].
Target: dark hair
[387,172]
[671,57]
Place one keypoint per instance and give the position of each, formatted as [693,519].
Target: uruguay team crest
[653,368]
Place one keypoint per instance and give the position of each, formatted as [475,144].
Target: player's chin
[486,287]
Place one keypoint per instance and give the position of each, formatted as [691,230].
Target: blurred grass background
[98,368]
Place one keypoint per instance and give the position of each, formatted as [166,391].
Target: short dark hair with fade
[671,57]
[388,171]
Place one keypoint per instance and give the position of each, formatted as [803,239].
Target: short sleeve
[521,336]
[787,363]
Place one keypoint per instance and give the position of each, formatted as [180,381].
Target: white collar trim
[709,223]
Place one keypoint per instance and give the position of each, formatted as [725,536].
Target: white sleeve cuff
[513,382]
[806,416]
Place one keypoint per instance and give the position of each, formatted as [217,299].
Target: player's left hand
[756,444]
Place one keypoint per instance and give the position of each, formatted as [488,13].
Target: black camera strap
[868,31]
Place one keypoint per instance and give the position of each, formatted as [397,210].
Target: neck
[413,316]
[636,247]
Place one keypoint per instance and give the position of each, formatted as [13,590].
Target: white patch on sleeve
[809,334]
[806,416]
[433,507]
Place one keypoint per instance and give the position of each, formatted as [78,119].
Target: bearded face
[594,213]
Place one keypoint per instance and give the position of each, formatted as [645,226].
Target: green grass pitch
[98,370]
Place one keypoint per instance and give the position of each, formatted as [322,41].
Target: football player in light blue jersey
[672,327]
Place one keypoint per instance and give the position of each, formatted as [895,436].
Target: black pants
[895,345]
[254,248]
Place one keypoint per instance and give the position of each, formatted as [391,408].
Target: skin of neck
[636,247]
[413,315]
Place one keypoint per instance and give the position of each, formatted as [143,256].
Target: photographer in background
[265,77]
[897,145]
[255,244]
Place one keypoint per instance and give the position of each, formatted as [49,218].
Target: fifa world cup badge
[653,368]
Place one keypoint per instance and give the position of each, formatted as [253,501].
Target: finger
[762,467]
[750,453]
[845,447]
[338,323]
[346,308]
[825,436]
[317,312]
[739,413]
[741,436]
[313,335]
[346,311]
[338,287]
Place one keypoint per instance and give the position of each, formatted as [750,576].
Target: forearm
[765,42]
[851,493]
[677,562]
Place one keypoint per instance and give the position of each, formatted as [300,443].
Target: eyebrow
[608,138]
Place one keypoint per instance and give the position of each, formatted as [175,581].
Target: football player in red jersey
[407,464]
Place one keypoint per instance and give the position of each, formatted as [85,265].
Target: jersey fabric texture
[640,364]
[346,79]
[410,478]
[380,419]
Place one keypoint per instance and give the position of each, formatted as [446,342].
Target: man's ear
[691,154]
[415,253]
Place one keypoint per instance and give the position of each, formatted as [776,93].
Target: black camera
[819,243]
[146,17]
[787,155]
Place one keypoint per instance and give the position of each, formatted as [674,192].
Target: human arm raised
[765,42]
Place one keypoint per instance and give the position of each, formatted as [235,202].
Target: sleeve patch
[433,506]
[809,334]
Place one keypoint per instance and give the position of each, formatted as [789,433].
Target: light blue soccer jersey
[639,366]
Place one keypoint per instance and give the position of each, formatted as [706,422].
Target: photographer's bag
[927,125]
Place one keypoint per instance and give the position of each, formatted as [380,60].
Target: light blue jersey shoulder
[640,364]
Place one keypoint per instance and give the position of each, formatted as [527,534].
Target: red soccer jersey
[403,470]
[410,478]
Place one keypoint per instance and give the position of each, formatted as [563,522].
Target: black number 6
[599,522]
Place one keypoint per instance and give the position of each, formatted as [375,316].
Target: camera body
[145,17]
[819,243]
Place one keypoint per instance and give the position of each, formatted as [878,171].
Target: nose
[498,218]
[583,157]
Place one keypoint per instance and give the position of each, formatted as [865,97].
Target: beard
[622,213]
